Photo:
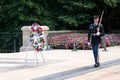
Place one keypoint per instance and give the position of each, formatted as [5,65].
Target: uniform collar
[95,23]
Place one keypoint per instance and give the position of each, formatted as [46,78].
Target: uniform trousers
[95,52]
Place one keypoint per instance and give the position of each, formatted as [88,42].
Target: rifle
[99,24]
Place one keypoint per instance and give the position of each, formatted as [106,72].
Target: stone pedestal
[26,33]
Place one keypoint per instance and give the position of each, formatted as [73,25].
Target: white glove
[98,33]
[89,43]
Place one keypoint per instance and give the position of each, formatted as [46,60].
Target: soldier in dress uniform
[95,32]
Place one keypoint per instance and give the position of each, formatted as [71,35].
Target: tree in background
[74,14]
[112,14]
[78,14]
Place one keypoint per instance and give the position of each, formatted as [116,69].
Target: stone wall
[46,33]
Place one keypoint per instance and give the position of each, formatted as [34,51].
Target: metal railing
[10,42]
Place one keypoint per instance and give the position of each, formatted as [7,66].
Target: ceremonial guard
[95,32]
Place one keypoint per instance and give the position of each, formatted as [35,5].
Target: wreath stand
[35,56]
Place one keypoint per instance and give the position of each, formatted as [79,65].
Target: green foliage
[74,13]
[111,3]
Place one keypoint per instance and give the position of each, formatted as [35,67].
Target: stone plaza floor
[61,65]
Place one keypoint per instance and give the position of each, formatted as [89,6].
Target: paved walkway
[61,65]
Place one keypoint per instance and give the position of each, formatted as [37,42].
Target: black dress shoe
[97,65]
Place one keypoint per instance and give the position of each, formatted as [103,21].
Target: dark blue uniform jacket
[92,30]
